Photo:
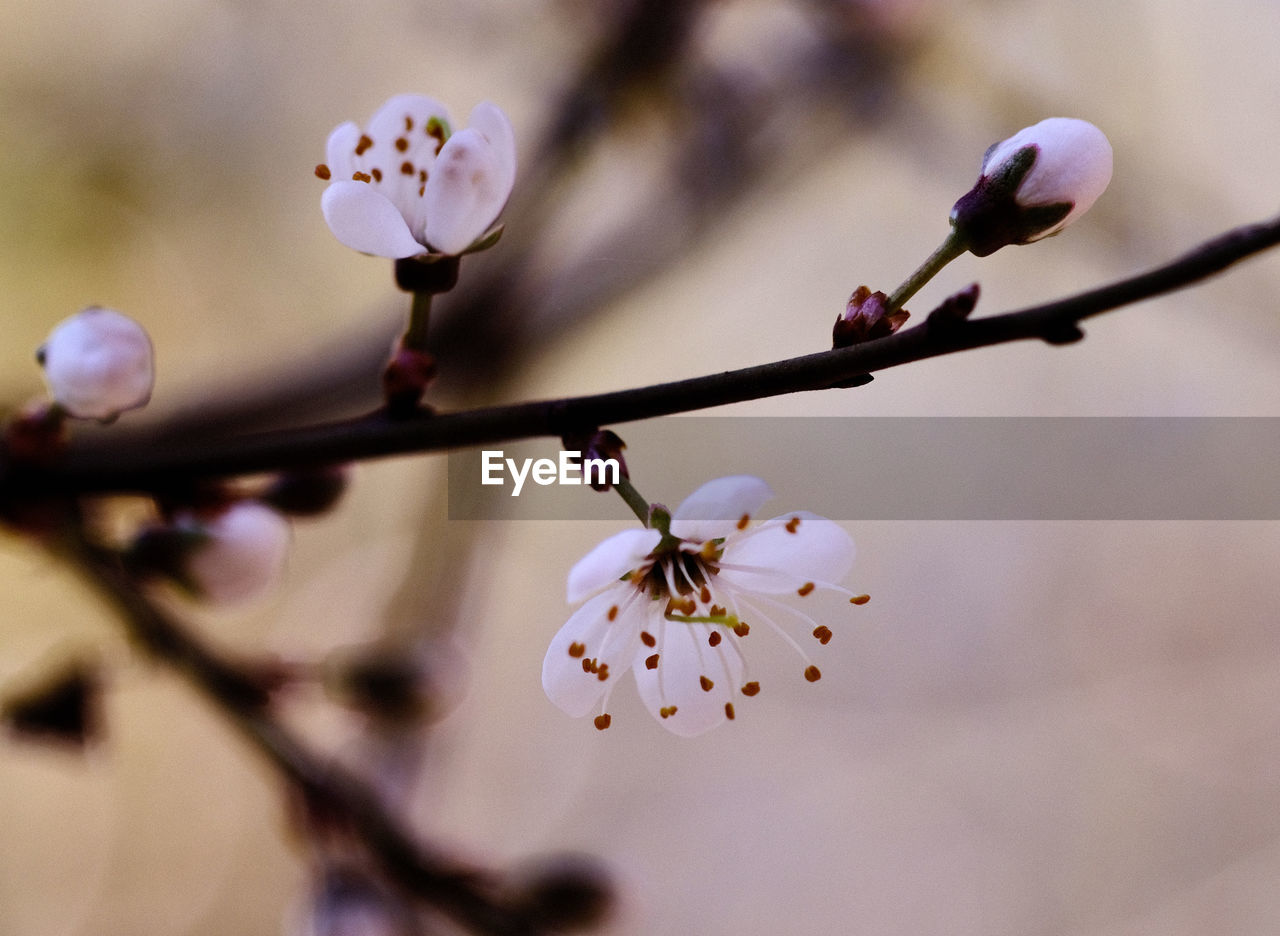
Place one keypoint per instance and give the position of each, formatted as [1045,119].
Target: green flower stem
[950,248]
[415,337]
[639,506]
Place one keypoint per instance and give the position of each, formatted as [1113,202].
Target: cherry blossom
[405,184]
[98,363]
[677,607]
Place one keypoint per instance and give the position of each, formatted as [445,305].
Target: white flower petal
[465,192]
[590,634]
[715,509]
[364,220]
[490,120]
[687,664]
[98,363]
[609,561]
[771,559]
[340,151]
[405,115]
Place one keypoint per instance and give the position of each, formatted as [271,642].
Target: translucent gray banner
[928,468]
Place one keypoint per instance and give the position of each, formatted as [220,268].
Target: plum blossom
[405,185]
[676,607]
[1034,184]
[98,363]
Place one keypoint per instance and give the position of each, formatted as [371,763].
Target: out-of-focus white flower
[237,555]
[98,363]
[404,185]
[1034,184]
[676,609]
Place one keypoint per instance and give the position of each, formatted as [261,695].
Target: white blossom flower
[98,363]
[676,608]
[404,185]
[238,555]
[1034,184]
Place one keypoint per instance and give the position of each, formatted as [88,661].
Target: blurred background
[1033,728]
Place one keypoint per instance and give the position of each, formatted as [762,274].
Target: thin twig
[455,890]
[137,467]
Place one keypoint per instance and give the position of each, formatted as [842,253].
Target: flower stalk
[948,250]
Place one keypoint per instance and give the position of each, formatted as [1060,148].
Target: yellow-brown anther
[743,521]
[613,613]
[750,688]
[704,595]
[402,144]
[793,524]
[823,633]
[586,666]
[603,672]
[707,685]
[361,177]
[647,639]
[713,638]
[363,144]
[742,628]
[376,173]
[813,674]
[667,711]
[408,123]
[322,172]
[683,605]
[406,168]
[602,721]
[728,710]
[805,589]
[576,650]
[859,599]
[651,662]
[717,611]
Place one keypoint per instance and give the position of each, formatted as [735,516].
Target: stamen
[728,710]
[586,666]
[743,521]
[576,650]
[750,689]
[408,123]
[361,177]
[793,524]
[602,721]
[805,589]
[646,638]
[322,172]
[402,144]
[823,633]
[707,685]
[363,144]
[718,611]
[667,711]
[651,662]
[859,599]
[406,168]
[705,595]
[812,673]
[376,173]
[603,673]
[613,613]
[422,175]
[742,628]
[713,638]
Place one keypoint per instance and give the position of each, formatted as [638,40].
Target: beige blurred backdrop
[1033,728]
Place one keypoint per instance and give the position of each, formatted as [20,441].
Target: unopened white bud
[98,363]
[1034,184]
[240,554]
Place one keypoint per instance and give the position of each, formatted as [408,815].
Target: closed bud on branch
[98,363]
[1033,185]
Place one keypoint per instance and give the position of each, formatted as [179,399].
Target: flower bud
[237,555]
[98,363]
[1033,185]
[864,319]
